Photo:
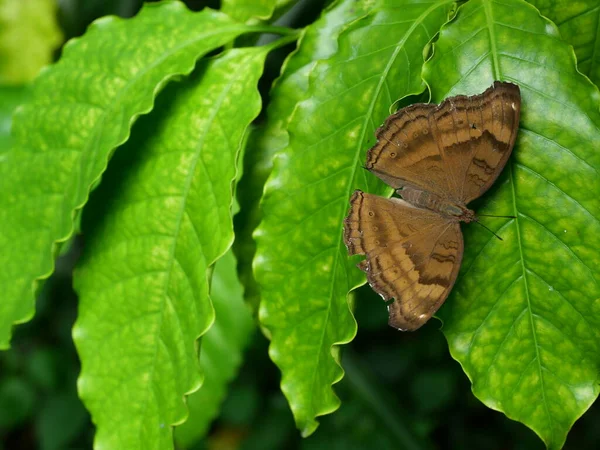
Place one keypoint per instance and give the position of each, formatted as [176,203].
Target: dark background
[401,390]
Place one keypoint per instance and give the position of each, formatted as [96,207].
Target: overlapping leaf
[579,25]
[102,83]
[244,10]
[10,98]
[318,41]
[222,348]
[523,319]
[301,264]
[143,281]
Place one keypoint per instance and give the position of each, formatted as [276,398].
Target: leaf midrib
[489,15]
[179,220]
[355,165]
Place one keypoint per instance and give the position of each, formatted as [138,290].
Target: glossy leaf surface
[103,81]
[318,41]
[222,350]
[143,280]
[523,318]
[301,263]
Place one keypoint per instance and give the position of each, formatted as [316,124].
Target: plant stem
[283,41]
[271,29]
[373,396]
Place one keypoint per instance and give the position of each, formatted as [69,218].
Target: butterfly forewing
[406,152]
[455,150]
[412,255]
[475,136]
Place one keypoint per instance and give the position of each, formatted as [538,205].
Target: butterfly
[438,158]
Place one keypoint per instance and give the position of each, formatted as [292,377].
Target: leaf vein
[543,178]
[527,296]
[571,304]
[563,244]
[562,147]
[493,308]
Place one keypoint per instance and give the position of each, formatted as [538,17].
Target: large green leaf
[29,36]
[318,41]
[523,319]
[222,348]
[301,262]
[143,281]
[80,110]
[579,24]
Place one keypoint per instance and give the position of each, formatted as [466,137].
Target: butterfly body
[451,209]
[438,158]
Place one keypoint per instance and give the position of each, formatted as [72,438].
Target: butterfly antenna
[477,221]
[503,217]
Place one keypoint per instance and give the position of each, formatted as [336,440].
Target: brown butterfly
[438,158]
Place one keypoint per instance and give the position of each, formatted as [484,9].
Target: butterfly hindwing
[412,255]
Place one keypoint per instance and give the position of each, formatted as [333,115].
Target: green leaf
[143,281]
[301,263]
[29,35]
[523,318]
[318,41]
[579,25]
[244,10]
[102,83]
[10,98]
[222,348]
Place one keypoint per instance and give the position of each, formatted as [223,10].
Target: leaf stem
[271,29]
[282,41]
[378,400]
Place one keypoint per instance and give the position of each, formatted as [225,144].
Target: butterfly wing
[455,150]
[412,255]
[476,136]
[406,152]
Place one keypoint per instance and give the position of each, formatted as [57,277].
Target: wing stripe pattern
[416,266]
[445,149]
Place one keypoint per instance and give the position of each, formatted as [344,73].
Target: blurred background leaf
[29,36]
[10,98]
[245,10]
